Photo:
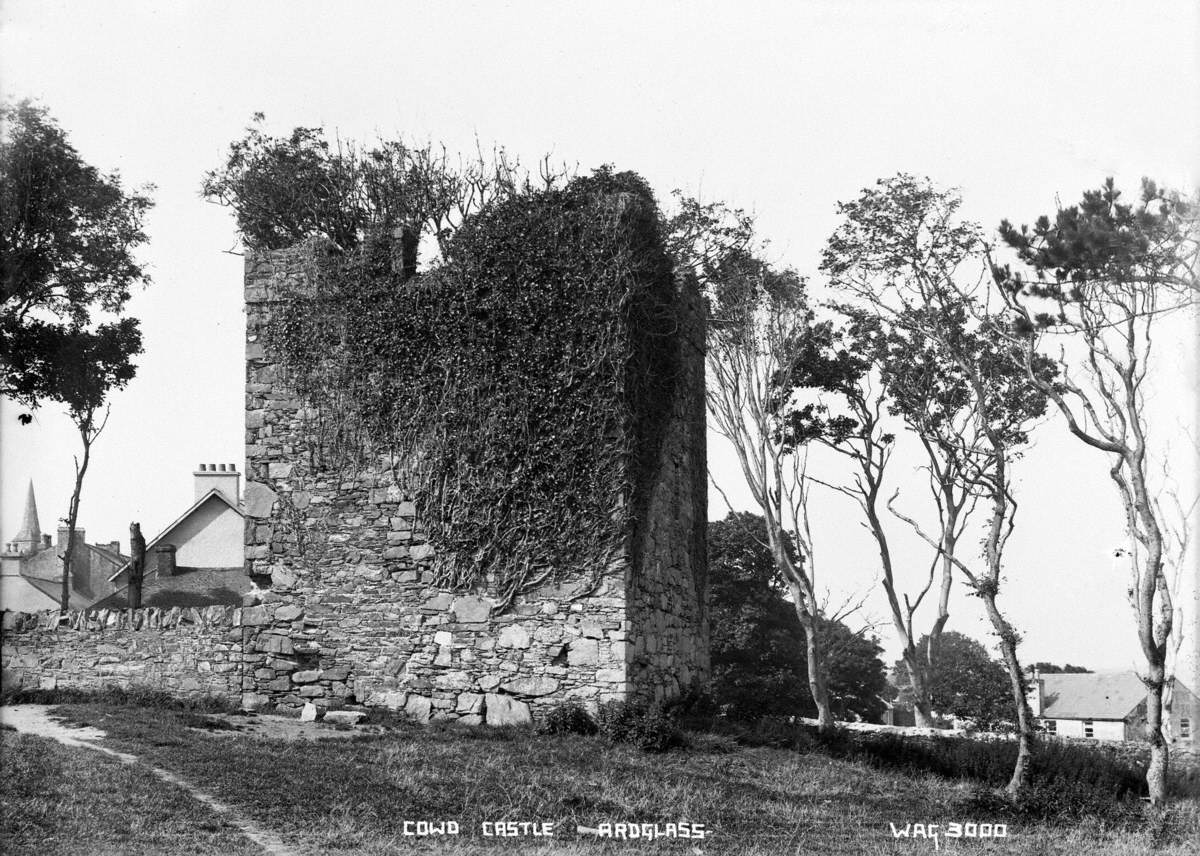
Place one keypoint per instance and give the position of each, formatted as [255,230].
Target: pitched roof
[151,544]
[1099,695]
[54,590]
[188,587]
[105,553]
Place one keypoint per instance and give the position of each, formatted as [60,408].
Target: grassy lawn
[354,795]
[55,799]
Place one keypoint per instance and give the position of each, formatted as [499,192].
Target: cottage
[1106,706]
[197,559]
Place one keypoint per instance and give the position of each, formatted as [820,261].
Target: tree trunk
[137,565]
[1008,649]
[817,686]
[816,671]
[1156,773]
[922,693]
[72,519]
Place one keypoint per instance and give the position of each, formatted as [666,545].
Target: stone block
[469,703]
[308,713]
[583,652]
[532,686]
[419,708]
[289,612]
[276,644]
[456,680]
[470,719]
[471,609]
[336,673]
[279,470]
[305,677]
[259,500]
[514,636]
[312,691]
[391,699]
[506,710]
[255,616]
[254,701]
[345,717]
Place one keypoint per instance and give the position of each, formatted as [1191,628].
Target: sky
[780,108]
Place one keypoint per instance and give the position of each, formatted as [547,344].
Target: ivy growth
[520,386]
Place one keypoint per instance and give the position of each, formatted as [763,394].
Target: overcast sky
[783,108]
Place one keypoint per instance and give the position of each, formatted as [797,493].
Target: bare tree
[845,362]
[1103,275]
[89,429]
[913,270]
[758,313]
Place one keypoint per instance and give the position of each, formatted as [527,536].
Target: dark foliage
[548,329]
[134,696]
[67,235]
[759,659]
[1067,780]
[1104,249]
[569,718]
[967,683]
[647,726]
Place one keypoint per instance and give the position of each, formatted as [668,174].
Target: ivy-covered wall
[356,609]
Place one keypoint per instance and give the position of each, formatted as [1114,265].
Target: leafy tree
[968,684]
[67,235]
[759,662]
[1093,284]
[286,189]
[912,269]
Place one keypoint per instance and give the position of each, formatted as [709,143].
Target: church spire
[30,536]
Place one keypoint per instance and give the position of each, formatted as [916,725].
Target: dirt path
[36,719]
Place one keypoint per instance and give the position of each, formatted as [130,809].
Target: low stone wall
[184,652]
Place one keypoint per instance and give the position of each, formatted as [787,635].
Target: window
[1185,729]
[1051,726]
[1087,728]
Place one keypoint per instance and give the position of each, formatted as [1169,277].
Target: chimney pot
[203,467]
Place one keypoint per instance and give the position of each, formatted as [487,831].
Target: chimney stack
[80,534]
[164,560]
[1037,692]
[223,477]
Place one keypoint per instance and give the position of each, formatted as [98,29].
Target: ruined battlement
[352,595]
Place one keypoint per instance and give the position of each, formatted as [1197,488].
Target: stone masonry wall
[667,581]
[352,616]
[184,652]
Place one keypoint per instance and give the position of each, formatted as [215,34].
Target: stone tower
[352,615]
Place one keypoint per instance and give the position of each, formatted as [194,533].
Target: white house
[198,559]
[1105,706]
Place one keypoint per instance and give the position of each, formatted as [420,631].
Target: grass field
[354,795]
